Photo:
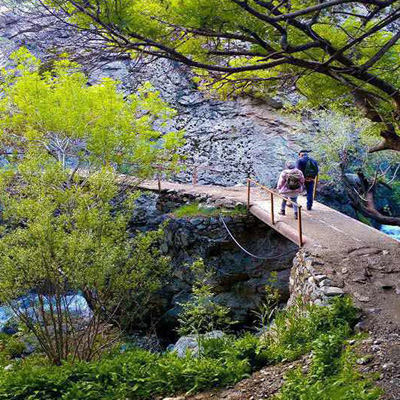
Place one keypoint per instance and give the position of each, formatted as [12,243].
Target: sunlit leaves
[58,111]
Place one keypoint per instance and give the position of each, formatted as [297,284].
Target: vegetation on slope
[64,230]
[139,374]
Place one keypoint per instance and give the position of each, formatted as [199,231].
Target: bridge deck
[323,227]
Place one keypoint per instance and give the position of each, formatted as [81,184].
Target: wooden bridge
[322,227]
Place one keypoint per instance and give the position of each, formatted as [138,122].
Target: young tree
[202,314]
[337,52]
[65,234]
[61,242]
[340,144]
[54,108]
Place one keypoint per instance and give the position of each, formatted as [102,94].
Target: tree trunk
[391,141]
[363,200]
[366,103]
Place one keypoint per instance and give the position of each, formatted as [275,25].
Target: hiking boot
[296,216]
[309,208]
[282,212]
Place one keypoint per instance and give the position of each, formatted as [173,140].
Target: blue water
[393,231]
[76,304]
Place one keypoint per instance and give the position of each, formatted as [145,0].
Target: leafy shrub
[140,374]
[331,376]
[201,314]
[10,347]
[242,348]
[333,371]
[137,374]
[296,328]
[196,209]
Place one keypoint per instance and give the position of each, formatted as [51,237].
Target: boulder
[190,343]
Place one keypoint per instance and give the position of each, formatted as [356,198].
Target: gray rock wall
[230,140]
[239,280]
[311,281]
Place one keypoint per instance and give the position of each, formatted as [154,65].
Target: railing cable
[251,254]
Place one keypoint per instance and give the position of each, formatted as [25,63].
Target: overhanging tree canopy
[337,51]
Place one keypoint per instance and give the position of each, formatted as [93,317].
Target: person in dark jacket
[309,167]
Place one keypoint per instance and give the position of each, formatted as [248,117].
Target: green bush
[137,374]
[10,347]
[295,329]
[195,209]
[201,314]
[333,373]
[332,376]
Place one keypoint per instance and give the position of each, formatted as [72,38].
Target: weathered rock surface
[191,343]
[230,140]
[239,280]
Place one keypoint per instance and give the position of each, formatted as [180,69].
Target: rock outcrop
[239,280]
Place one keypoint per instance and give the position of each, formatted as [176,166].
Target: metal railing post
[300,228]
[315,186]
[195,175]
[248,195]
[272,208]
[159,182]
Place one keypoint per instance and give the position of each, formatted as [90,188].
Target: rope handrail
[251,254]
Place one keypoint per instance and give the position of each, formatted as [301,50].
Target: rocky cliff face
[239,280]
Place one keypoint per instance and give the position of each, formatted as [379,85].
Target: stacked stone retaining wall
[312,281]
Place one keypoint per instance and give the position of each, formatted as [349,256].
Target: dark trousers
[310,193]
[294,199]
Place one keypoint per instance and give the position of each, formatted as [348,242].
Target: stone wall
[312,281]
[239,280]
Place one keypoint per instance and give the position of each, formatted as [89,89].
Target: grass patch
[139,374]
[196,209]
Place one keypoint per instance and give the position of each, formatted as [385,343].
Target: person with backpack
[309,167]
[290,185]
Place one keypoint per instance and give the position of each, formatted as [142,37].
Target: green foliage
[363,219]
[10,347]
[139,374]
[61,236]
[340,144]
[197,209]
[335,140]
[258,47]
[66,232]
[269,306]
[297,327]
[202,314]
[136,374]
[56,111]
[333,375]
